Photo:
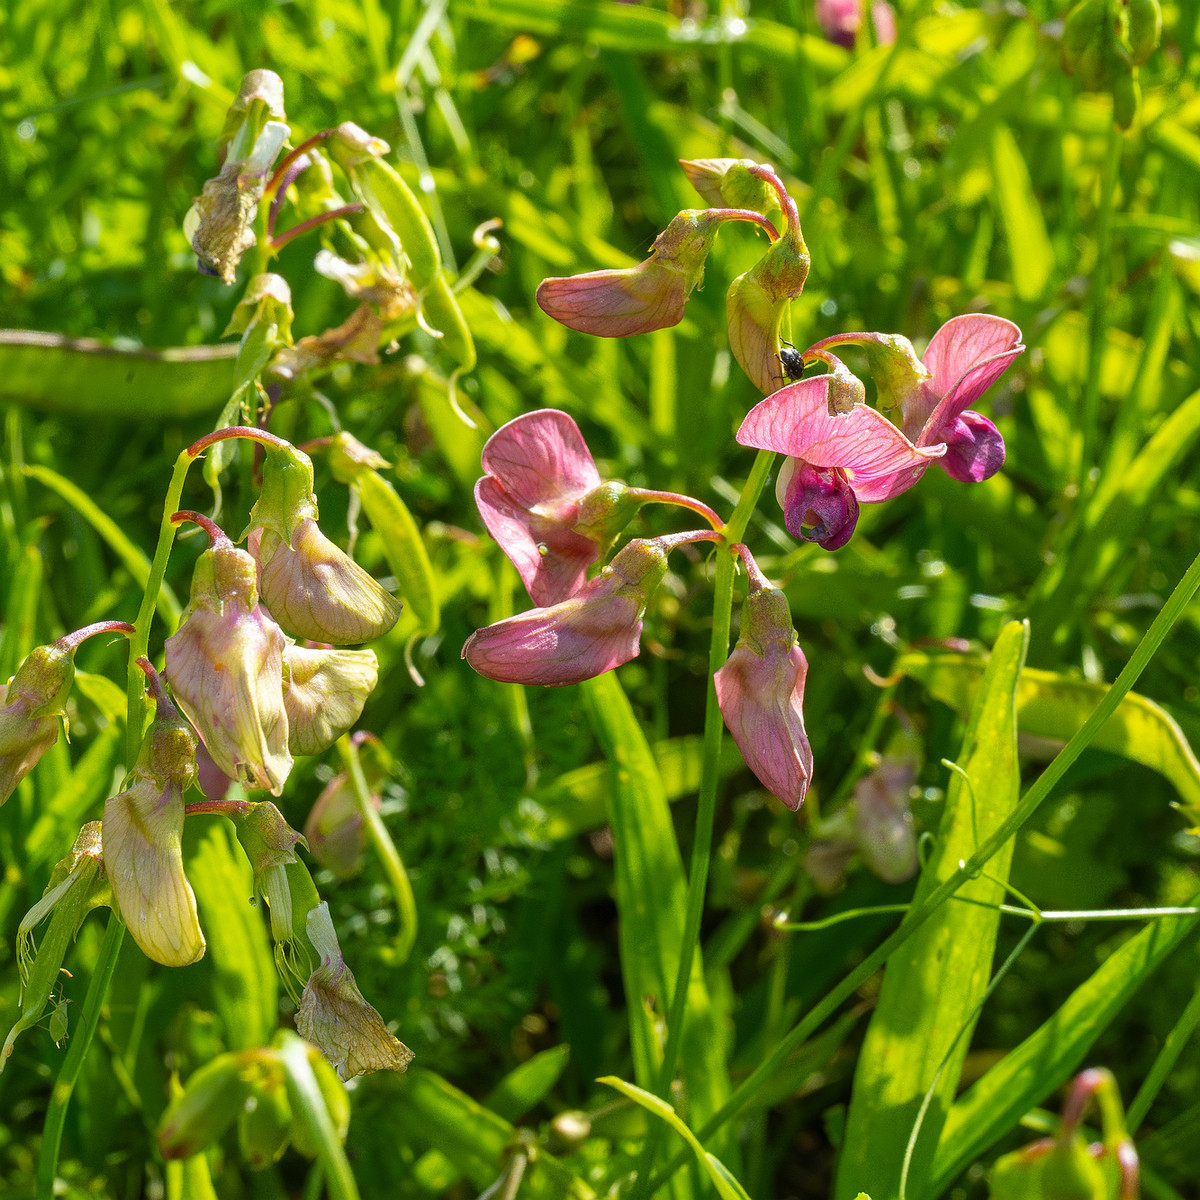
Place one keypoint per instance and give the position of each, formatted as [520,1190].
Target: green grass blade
[1030,251]
[934,982]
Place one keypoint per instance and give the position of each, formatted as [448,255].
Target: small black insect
[792,362]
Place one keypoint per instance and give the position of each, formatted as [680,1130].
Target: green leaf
[650,901]
[1048,1057]
[727,1186]
[135,561]
[1030,251]
[921,1028]
[20,612]
[1054,706]
[86,378]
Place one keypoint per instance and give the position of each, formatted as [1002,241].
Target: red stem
[72,641]
[672,541]
[216,535]
[312,223]
[303,148]
[218,808]
[747,214]
[647,496]
[237,431]
[758,580]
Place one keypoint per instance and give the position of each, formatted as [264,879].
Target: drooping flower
[225,664]
[878,459]
[544,502]
[651,295]
[760,690]
[32,703]
[730,182]
[324,693]
[596,629]
[311,587]
[143,827]
[334,829]
[334,1016]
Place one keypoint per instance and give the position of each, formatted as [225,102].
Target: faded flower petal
[315,590]
[883,820]
[32,712]
[760,690]
[324,694]
[334,1016]
[595,630]
[225,665]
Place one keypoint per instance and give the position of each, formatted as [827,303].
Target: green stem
[706,807]
[384,847]
[1163,1064]
[68,1075]
[1168,615]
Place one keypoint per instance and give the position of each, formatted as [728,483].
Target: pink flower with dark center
[543,501]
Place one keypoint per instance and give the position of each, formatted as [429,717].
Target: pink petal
[549,576]
[965,342]
[818,499]
[880,461]
[974,449]
[616,303]
[541,458]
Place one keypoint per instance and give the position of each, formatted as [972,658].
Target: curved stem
[291,157]
[747,214]
[646,496]
[237,431]
[714,728]
[1168,615]
[385,848]
[346,210]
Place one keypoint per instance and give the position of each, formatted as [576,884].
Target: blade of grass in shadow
[934,982]
[650,901]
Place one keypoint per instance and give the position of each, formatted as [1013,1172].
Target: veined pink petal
[880,461]
[551,558]
[617,302]
[541,458]
[964,343]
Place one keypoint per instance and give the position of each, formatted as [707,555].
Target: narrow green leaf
[20,612]
[1054,706]
[650,901]
[727,1186]
[247,989]
[1048,1057]
[402,546]
[135,561]
[921,1028]
[86,378]
[1029,247]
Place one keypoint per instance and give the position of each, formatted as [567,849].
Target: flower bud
[883,820]
[312,588]
[33,706]
[205,1108]
[619,303]
[595,630]
[225,665]
[839,20]
[143,857]
[543,501]
[760,690]
[334,1016]
[334,829]
[818,503]
[728,183]
[324,692]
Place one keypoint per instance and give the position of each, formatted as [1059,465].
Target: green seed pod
[1145,29]
[265,1124]
[1084,24]
[440,312]
[1127,98]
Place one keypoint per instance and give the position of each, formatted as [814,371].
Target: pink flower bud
[334,1016]
[33,708]
[839,19]
[598,628]
[225,665]
[143,858]
[543,501]
[618,303]
[761,693]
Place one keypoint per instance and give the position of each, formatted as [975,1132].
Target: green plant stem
[709,775]
[68,1075]
[916,916]
[1163,1064]
[1098,314]
[384,847]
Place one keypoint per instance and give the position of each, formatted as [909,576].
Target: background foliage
[961,169]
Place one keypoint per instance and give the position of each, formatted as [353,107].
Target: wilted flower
[334,829]
[761,693]
[334,1016]
[596,629]
[618,303]
[32,704]
[324,693]
[225,665]
[543,501]
[730,182]
[883,820]
[143,827]
[313,589]
[879,460]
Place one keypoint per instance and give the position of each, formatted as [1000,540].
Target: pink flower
[543,501]
[598,628]
[761,693]
[839,19]
[878,459]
